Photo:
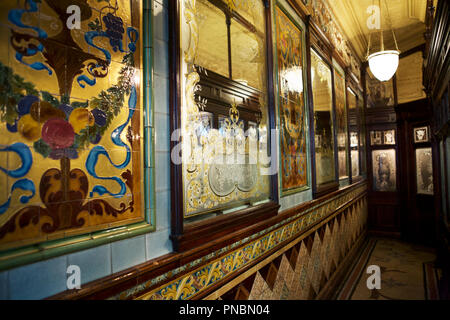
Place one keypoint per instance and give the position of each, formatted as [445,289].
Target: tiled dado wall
[303,254]
[298,258]
[48,277]
[311,267]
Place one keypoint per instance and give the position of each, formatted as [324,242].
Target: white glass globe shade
[383,64]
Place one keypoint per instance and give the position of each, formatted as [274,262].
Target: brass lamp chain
[390,25]
[381,29]
[368,45]
[369,41]
[389,22]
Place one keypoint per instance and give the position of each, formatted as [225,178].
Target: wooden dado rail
[302,253]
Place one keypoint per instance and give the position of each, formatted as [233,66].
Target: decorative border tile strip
[192,283]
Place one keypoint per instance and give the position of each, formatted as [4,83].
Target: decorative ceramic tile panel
[71,111]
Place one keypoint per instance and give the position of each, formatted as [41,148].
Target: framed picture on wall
[384,170]
[218,161]
[424,171]
[389,137]
[353,139]
[421,135]
[376,138]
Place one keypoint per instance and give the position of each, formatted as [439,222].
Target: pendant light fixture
[384,63]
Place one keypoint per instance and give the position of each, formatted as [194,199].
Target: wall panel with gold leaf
[224,114]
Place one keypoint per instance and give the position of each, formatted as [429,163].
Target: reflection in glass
[323,119]
[354,135]
[212,53]
[247,55]
[363,135]
[224,112]
[341,124]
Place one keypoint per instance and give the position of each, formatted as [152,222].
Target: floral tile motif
[208,272]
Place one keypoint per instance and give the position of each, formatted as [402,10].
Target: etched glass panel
[224,110]
[212,53]
[363,135]
[384,170]
[424,171]
[323,119]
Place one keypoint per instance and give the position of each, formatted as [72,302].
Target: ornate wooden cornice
[437,65]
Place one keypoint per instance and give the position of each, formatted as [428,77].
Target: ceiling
[407,17]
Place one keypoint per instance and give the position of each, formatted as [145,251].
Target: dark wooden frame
[384,205]
[383,127]
[414,226]
[317,41]
[436,78]
[188,236]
